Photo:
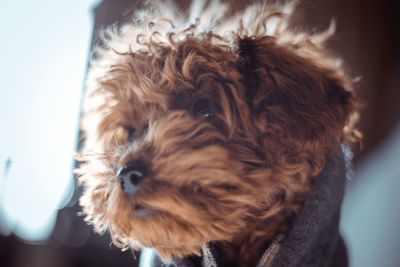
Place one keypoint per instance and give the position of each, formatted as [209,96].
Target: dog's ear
[306,96]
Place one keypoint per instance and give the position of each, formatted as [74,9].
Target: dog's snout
[131,174]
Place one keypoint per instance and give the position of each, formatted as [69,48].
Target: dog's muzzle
[130,176]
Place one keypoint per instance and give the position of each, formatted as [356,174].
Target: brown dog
[199,133]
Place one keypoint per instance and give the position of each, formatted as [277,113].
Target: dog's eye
[132,136]
[203,107]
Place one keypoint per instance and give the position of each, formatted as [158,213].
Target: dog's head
[197,135]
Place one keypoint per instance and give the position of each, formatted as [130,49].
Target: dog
[209,129]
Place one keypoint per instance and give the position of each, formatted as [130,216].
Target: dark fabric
[314,239]
[340,257]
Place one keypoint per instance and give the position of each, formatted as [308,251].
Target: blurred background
[44,51]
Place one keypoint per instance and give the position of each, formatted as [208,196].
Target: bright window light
[43,50]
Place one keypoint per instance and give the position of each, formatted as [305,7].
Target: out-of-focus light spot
[44,51]
[147,257]
[370,213]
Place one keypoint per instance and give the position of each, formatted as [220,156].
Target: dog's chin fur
[278,104]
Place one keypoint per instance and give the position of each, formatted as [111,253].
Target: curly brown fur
[273,105]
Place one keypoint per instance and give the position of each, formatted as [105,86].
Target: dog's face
[202,139]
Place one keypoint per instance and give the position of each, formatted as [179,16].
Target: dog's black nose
[131,174]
